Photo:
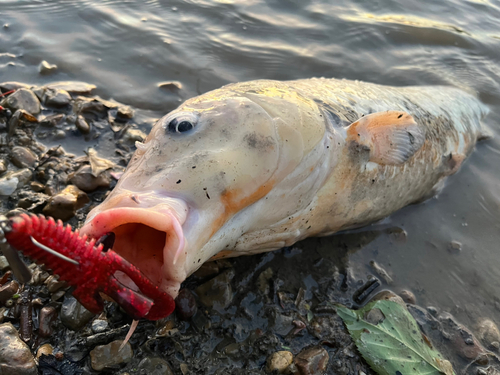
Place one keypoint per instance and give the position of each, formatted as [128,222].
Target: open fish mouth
[152,239]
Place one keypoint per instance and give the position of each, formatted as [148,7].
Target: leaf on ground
[390,340]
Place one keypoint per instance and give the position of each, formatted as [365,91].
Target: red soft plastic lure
[92,271]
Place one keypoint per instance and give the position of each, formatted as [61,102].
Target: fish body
[256,166]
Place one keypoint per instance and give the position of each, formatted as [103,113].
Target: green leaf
[390,340]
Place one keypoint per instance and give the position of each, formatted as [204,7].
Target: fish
[257,166]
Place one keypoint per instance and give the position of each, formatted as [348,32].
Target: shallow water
[127,48]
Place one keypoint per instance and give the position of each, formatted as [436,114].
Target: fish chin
[151,238]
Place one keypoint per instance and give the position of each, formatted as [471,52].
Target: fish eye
[181,123]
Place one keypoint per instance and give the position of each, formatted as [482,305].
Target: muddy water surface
[128,48]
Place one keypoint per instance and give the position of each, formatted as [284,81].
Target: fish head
[200,165]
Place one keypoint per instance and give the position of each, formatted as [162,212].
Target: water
[127,48]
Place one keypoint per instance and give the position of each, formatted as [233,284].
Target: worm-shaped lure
[85,266]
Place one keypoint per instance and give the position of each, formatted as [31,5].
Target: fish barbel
[256,166]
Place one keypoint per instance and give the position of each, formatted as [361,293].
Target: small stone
[48,314]
[85,180]
[4,265]
[37,186]
[54,284]
[387,295]
[82,125]
[60,134]
[23,99]
[3,166]
[217,292]
[72,87]
[125,112]
[312,361]
[53,120]
[154,366]
[99,325]
[185,304]
[454,247]
[57,98]
[15,355]
[8,185]
[488,332]
[207,269]
[45,68]
[184,369]
[263,280]
[134,135]
[12,85]
[23,177]
[408,297]
[107,356]
[172,86]
[8,290]
[23,157]
[73,314]
[279,361]
[45,349]
[64,204]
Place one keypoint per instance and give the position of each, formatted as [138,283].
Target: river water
[127,48]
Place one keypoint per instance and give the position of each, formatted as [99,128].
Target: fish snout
[148,233]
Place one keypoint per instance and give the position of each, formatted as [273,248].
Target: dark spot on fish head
[254,140]
[398,373]
[178,182]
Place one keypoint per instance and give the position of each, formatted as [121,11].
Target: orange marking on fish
[234,202]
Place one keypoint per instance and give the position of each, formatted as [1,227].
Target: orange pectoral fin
[392,136]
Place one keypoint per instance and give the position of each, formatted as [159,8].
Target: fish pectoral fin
[391,137]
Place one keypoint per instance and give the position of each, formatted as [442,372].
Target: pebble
[185,304]
[8,290]
[8,185]
[107,356]
[23,157]
[82,125]
[454,247]
[217,292]
[207,269]
[86,181]
[173,86]
[3,166]
[23,99]
[388,296]
[45,68]
[52,120]
[15,355]
[57,98]
[154,366]
[134,135]
[60,134]
[279,361]
[4,265]
[72,87]
[23,176]
[488,333]
[125,112]
[312,361]
[408,297]
[63,205]
[9,86]
[37,186]
[73,314]
[45,349]
[47,316]
[99,325]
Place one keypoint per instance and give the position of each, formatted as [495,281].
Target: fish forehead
[232,147]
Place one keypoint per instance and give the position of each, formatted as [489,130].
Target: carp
[256,166]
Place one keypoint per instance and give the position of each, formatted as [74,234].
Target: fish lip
[162,218]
